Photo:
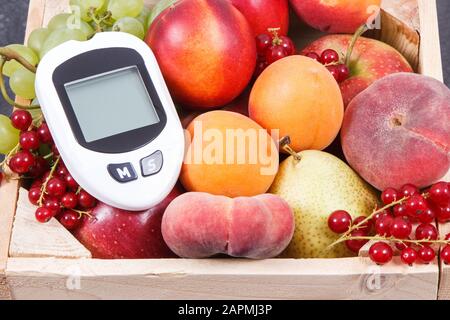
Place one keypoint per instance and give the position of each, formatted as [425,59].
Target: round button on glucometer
[122,172]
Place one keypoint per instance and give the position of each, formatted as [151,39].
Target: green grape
[157,9]
[22,83]
[37,38]
[60,36]
[28,54]
[131,26]
[9,136]
[70,21]
[143,16]
[125,8]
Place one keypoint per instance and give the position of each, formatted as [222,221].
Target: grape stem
[44,185]
[5,95]
[10,54]
[345,235]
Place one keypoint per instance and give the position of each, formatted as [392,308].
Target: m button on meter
[122,172]
[152,164]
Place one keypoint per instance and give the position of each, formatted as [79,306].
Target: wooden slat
[347,278]
[31,238]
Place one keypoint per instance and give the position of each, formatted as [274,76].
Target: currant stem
[392,239]
[355,37]
[8,156]
[5,93]
[44,185]
[83,213]
[276,39]
[345,236]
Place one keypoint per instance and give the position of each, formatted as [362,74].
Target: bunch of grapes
[392,225]
[53,189]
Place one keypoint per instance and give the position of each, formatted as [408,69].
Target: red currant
[85,200]
[334,72]
[386,212]
[339,221]
[402,245]
[69,200]
[43,215]
[409,190]
[380,253]
[21,119]
[426,254]
[429,215]
[355,245]
[366,226]
[440,194]
[275,53]
[70,219]
[400,211]
[343,71]
[53,205]
[443,214]
[44,133]
[21,162]
[56,187]
[29,140]
[61,171]
[329,56]
[389,195]
[37,183]
[401,228]
[34,194]
[408,256]
[263,42]
[383,225]
[260,67]
[426,231]
[313,56]
[416,205]
[71,183]
[445,254]
[288,45]
[39,168]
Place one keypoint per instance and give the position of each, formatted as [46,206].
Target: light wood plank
[31,238]
[348,278]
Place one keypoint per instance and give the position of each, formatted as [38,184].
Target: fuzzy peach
[336,16]
[200,225]
[397,131]
[229,154]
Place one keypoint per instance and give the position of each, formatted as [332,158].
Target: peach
[398,131]
[336,16]
[206,51]
[371,60]
[299,97]
[200,225]
[228,154]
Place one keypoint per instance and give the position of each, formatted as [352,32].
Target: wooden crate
[45,261]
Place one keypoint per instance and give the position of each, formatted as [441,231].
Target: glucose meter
[112,119]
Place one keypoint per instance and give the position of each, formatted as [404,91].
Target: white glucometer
[112,119]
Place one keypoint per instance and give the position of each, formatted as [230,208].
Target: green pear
[315,184]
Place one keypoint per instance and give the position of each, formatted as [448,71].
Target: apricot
[397,131]
[301,98]
[200,225]
[228,154]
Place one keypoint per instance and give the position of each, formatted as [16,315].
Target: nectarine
[301,98]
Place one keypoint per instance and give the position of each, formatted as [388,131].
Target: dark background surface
[13,14]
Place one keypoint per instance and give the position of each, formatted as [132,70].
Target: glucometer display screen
[111,103]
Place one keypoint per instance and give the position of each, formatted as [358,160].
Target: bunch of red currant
[393,224]
[272,48]
[53,189]
[331,59]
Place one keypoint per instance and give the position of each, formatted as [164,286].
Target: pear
[315,184]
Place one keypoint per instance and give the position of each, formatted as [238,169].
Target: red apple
[118,234]
[371,60]
[336,16]
[264,14]
[206,51]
